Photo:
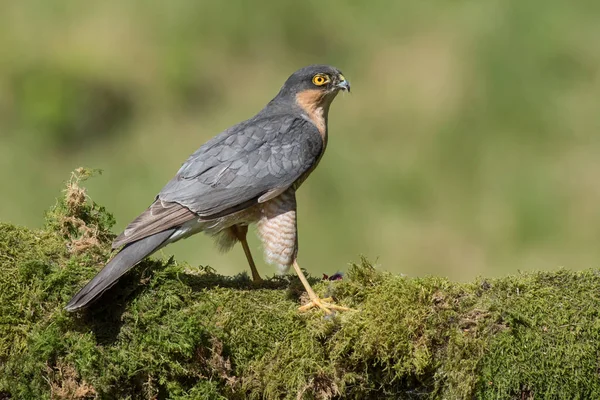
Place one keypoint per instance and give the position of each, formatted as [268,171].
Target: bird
[247,174]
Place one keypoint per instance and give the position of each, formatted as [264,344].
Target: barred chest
[278,231]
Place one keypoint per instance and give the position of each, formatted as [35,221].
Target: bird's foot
[324,304]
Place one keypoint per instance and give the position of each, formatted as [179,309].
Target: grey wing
[157,218]
[232,171]
[248,163]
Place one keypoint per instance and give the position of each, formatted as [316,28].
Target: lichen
[171,330]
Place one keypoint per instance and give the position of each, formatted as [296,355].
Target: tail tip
[75,304]
[72,307]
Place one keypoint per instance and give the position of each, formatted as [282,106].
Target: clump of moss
[84,224]
[168,330]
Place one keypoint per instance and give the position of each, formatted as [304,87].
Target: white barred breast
[277,230]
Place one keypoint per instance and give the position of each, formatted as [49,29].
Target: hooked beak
[343,84]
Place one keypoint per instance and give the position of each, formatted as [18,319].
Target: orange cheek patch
[311,101]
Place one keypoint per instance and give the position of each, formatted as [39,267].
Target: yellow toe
[323,304]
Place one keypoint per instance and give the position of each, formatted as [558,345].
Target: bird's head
[322,78]
[314,87]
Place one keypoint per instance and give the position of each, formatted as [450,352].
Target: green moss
[552,349]
[172,331]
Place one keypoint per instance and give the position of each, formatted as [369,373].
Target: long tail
[126,259]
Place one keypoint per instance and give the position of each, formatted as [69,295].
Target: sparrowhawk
[247,174]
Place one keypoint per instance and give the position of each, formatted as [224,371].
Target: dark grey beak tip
[344,85]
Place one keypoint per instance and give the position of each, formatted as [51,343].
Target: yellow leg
[240,232]
[315,301]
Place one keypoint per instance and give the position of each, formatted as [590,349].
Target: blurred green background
[470,144]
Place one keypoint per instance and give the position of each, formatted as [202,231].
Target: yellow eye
[320,79]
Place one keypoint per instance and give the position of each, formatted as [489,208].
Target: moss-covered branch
[173,331]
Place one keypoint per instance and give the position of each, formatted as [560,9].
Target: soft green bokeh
[469,145]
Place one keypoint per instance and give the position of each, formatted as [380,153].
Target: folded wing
[258,157]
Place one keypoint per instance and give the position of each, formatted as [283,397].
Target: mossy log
[169,330]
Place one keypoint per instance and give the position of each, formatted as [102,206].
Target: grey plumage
[127,258]
[245,162]
[231,172]
[224,182]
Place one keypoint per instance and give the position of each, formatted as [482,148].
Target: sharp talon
[323,304]
[315,301]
